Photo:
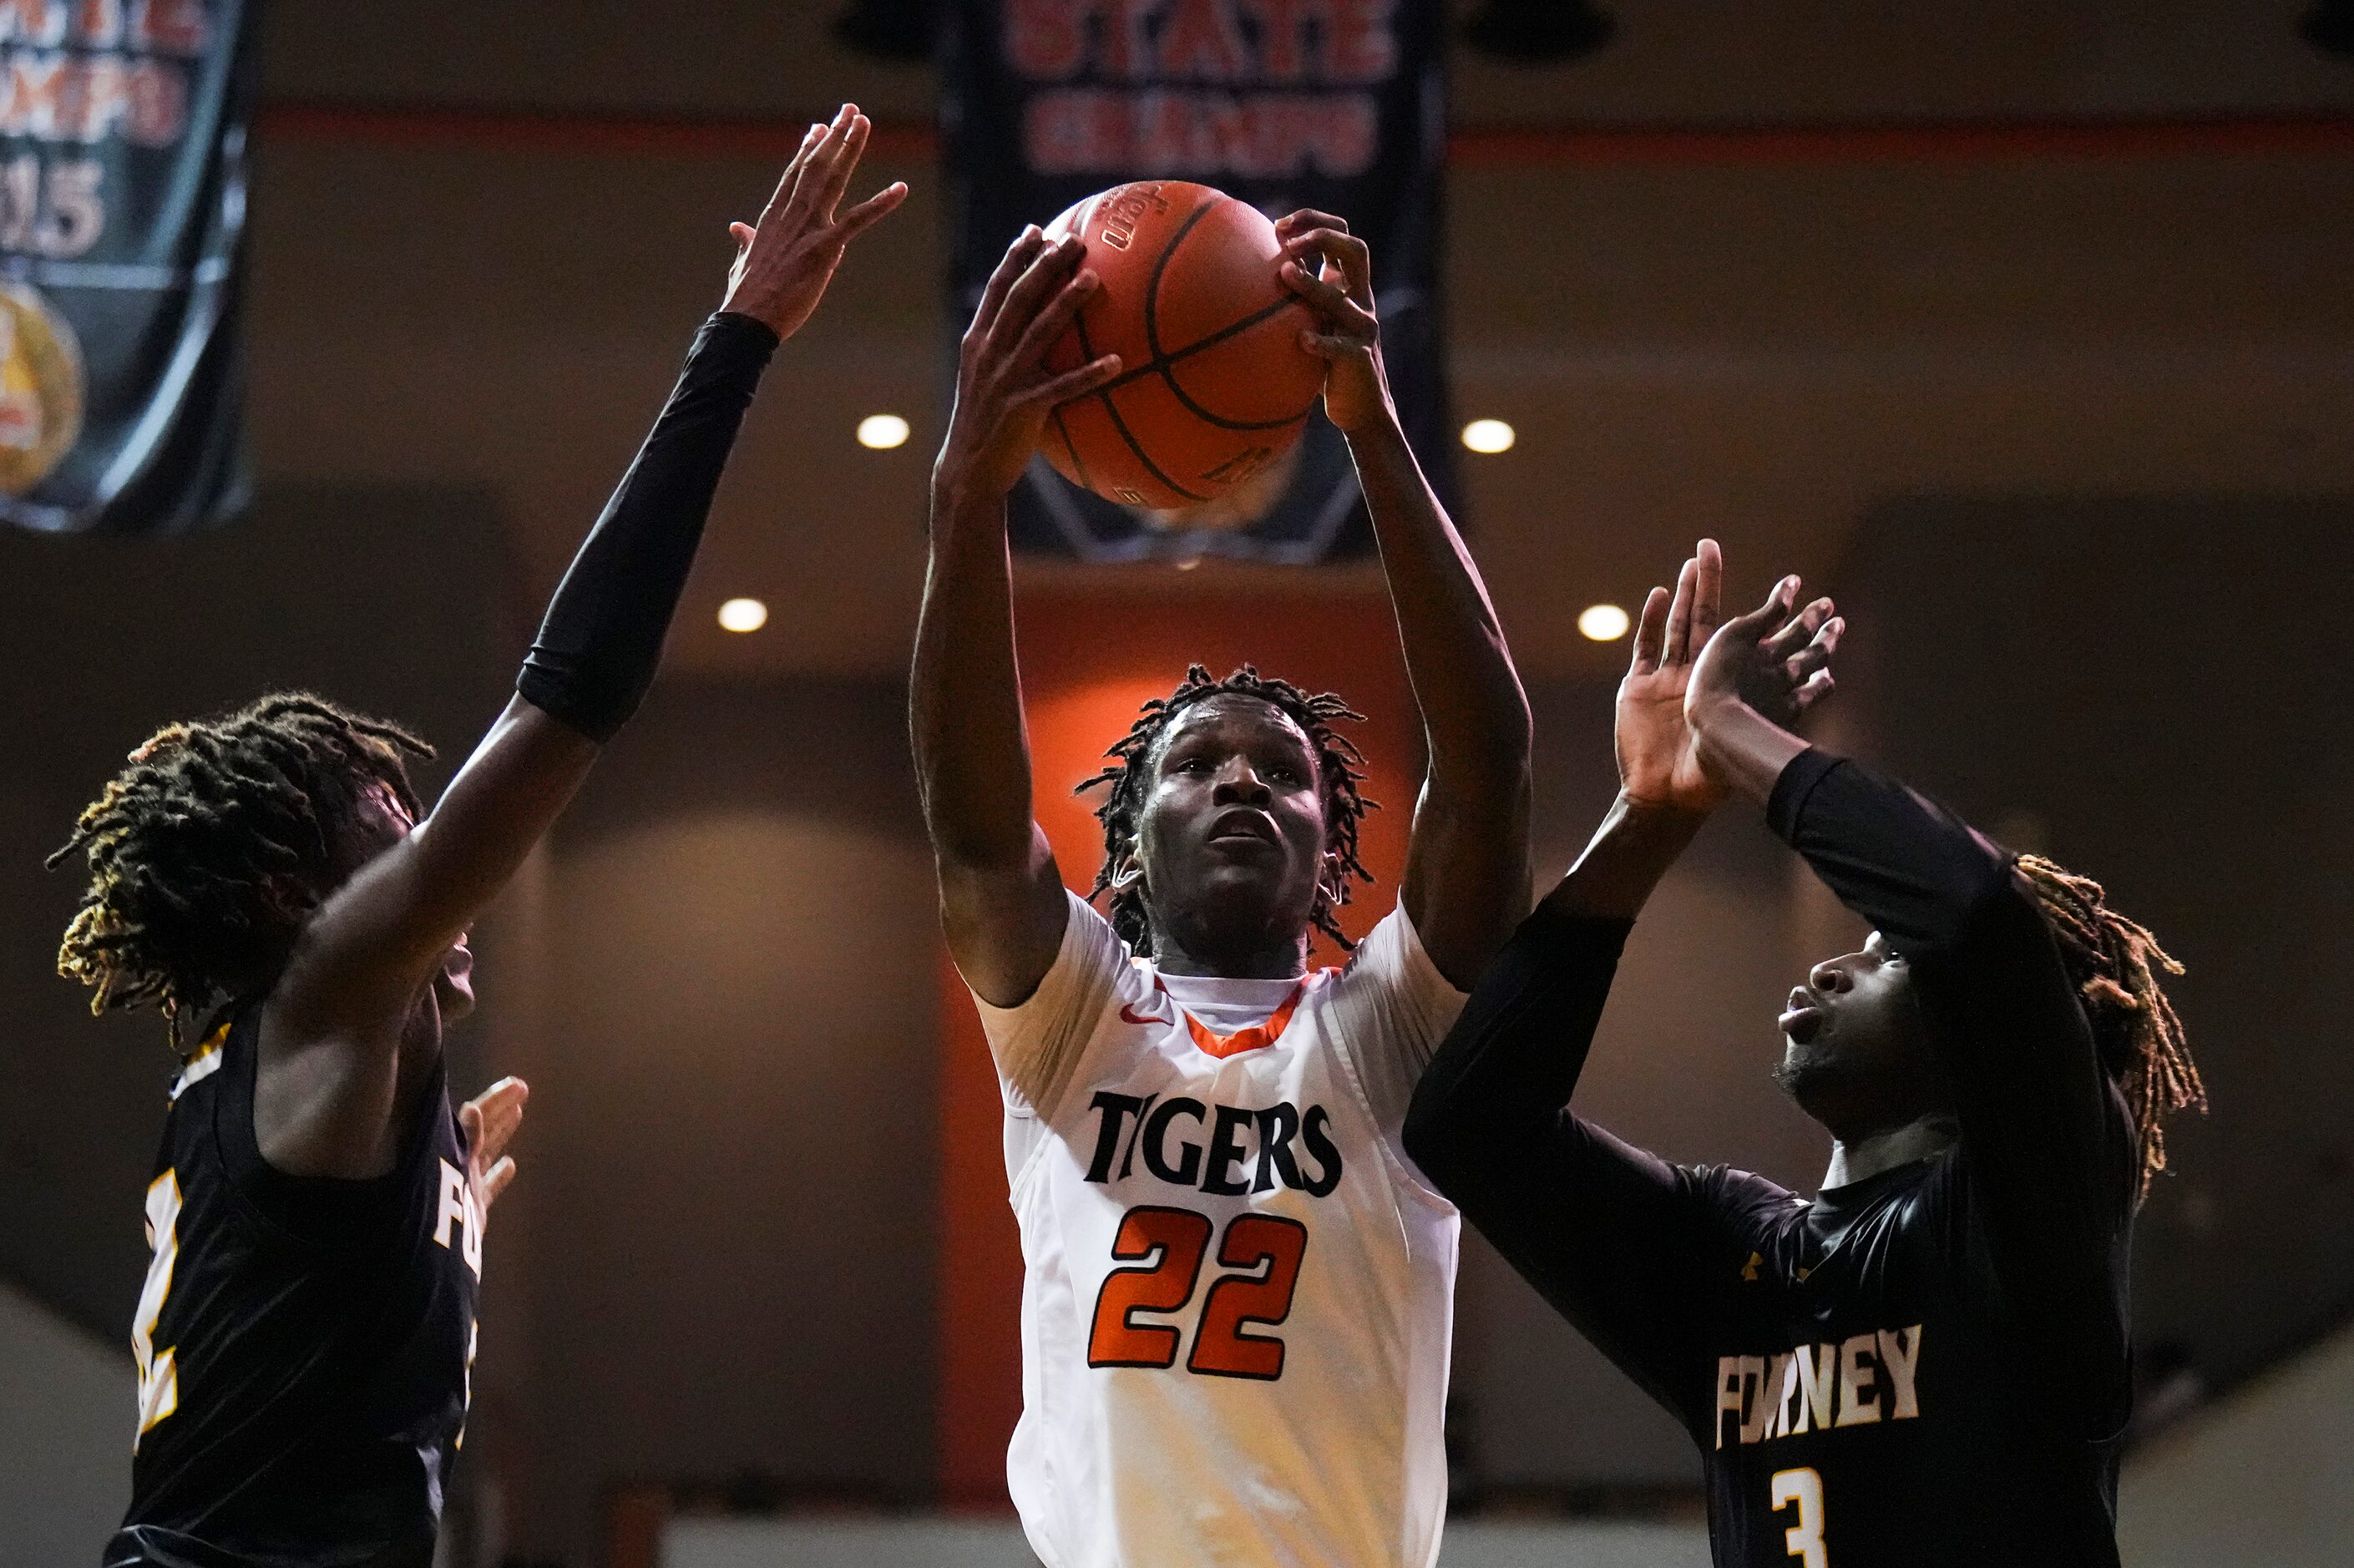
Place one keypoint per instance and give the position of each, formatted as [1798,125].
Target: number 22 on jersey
[159,1380]
[1163,1249]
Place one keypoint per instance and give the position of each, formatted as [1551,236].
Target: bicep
[1005,924]
[1467,872]
[379,936]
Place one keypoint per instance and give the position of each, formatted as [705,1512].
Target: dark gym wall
[390,599]
[2153,692]
[727,1184]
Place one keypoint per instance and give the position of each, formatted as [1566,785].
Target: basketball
[1213,385]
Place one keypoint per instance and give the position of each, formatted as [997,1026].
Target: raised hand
[1773,662]
[784,262]
[1658,765]
[1340,289]
[1660,761]
[490,1120]
[1004,390]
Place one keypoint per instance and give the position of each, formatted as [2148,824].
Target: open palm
[1658,752]
[490,1120]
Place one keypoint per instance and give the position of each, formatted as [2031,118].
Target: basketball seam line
[1121,425]
[1162,360]
[1160,364]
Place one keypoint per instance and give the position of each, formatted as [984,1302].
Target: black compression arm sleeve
[1621,1243]
[602,638]
[1905,865]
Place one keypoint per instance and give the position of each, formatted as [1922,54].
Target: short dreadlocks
[184,838]
[1338,769]
[2114,964]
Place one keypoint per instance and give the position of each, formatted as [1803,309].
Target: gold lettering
[1729,1377]
[1813,1368]
[1902,1357]
[1858,1402]
[1782,1377]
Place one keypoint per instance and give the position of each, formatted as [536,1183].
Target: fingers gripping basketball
[1217,385]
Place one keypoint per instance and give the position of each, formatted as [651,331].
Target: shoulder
[1038,1042]
[1391,964]
[1751,1206]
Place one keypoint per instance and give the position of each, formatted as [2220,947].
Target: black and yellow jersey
[1927,1367]
[304,1344]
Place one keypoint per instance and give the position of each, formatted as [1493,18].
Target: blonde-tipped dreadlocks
[1130,779]
[185,839]
[2115,963]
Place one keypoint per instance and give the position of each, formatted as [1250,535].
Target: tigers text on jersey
[304,1344]
[1236,1317]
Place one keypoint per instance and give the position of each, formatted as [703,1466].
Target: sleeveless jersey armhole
[324,1212]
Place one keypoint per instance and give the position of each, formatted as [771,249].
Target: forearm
[1514,1055]
[1744,749]
[973,754]
[1629,853]
[1915,872]
[1473,708]
[596,649]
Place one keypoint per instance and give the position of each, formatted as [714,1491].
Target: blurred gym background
[2025,329]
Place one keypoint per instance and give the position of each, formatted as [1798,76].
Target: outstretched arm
[1467,873]
[1002,901]
[1626,1246]
[326,1100]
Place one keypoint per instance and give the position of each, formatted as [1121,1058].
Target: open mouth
[1803,1018]
[1242,827]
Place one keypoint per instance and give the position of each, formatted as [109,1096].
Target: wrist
[1636,806]
[1743,749]
[754,318]
[1378,426]
[961,484]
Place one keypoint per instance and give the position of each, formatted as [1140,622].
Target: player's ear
[1331,877]
[287,901]
[1127,871]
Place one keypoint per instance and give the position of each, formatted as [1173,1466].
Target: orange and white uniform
[1238,1309]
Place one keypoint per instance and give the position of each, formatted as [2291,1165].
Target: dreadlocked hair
[1128,780]
[2114,964]
[184,840]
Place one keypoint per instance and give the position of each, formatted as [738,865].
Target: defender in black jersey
[1927,1362]
[305,1339]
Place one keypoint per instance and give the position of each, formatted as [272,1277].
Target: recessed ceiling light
[1488,436]
[881,431]
[743,615]
[1603,623]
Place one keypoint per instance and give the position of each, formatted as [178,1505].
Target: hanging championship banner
[122,128]
[1338,105]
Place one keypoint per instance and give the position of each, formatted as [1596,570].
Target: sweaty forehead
[1236,719]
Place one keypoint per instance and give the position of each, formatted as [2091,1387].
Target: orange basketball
[1213,385]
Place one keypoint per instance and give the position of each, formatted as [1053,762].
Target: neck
[1270,958]
[1855,1160]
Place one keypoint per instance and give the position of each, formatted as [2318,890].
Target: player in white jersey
[1235,1317]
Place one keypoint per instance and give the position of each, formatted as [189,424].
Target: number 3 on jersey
[1163,1249]
[159,1380]
[1803,1487]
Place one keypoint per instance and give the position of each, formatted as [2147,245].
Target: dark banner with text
[123,131]
[1338,105]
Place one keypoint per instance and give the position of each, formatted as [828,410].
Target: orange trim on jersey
[1258,1036]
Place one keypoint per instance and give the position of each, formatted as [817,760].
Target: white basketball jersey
[1236,1314]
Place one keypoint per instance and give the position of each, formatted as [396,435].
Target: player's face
[1854,1054]
[1231,841]
[383,822]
